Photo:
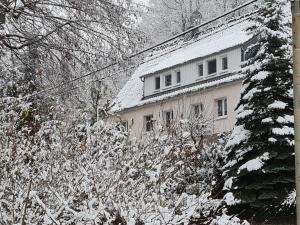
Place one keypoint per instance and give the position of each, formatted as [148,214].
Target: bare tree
[58,40]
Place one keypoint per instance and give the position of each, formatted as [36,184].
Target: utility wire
[142,51]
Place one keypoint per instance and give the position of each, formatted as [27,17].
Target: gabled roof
[227,36]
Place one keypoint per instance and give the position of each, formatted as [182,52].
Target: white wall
[189,72]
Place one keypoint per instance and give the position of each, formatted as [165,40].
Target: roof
[227,36]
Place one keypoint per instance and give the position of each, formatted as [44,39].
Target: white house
[199,76]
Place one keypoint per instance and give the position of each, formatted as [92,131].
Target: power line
[142,51]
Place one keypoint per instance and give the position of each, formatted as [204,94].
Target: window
[149,123]
[168,80]
[157,83]
[168,118]
[178,76]
[212,66]
[224,63]
[125,125]
[222,107]
[197,110]
[200,70]
[242,55]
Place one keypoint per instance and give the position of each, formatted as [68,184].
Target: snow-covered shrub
[63,169]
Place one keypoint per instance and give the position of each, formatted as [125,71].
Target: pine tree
[260,163]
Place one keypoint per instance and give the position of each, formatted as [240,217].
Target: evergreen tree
[260,162]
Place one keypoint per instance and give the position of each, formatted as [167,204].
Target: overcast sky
[141,1]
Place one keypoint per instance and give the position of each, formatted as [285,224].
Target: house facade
[201,77]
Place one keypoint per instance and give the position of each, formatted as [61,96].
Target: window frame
[157,83]
[166,84]
[208,66]
[223,112]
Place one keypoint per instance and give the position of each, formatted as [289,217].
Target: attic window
[178,76]
[212,66]
[224,63]
[168,80]
[200,70]
[157,83]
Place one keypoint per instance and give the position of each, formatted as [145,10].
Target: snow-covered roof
[223,37]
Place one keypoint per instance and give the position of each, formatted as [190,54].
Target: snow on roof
[225,37]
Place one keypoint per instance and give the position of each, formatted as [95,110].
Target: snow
[277,105]
[286,119]
[239,135]
[267,120]
[228,184]
[291,199]
[285,130]
[255,164]
[230,199]
[224,38]
[227,36]
[272,140]
[260,76]
[251,93]
[228,220]
[244,113]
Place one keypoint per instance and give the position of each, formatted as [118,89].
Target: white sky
[142,1]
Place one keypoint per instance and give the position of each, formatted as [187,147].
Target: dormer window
[168,80]
[157,83]
[178,77]
[212,67]
[200,70]
[224,63]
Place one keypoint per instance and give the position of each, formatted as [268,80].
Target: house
[201,76]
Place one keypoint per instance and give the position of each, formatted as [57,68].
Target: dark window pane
[225,106]
[212,66]
[220,107]
[168,80]
[196,110]
[169,118]
[200,70]
[178,77]
[224,63]
[157,83]
[149,122]
[242,55]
